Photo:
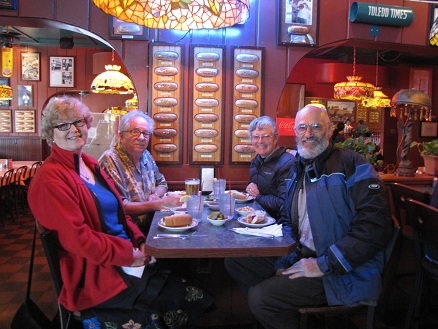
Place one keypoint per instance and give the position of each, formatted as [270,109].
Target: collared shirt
[134,184]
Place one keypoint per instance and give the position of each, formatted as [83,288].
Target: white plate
[178,229]
[248,199]
[268,221]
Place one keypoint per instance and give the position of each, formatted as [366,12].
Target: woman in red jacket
[72,197]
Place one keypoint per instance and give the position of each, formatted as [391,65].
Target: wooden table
[215,242]
[16,165]
[203,255]
[417,179]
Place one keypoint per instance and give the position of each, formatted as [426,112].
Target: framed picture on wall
[25,97]
[30,66]
[339,110]
[429,129]
[297,22]
[119,29]
[5,82]
[8,4]
[62,71]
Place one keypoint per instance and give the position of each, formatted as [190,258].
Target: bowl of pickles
[216,218]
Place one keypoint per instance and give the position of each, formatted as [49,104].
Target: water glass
[192,186]
[195,207]
[218,187]
[227,203]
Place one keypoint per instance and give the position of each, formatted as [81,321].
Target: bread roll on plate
[256,217]
[238,195]
[177,220]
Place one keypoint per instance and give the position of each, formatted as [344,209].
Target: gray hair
[262,122]
[125,122]
[62,109]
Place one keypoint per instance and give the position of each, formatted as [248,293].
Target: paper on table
[271,230]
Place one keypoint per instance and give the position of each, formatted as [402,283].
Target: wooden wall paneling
[247,99]
[165,102]
[207,113]
[21,148]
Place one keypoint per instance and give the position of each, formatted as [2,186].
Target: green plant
[428,148]
[362,146]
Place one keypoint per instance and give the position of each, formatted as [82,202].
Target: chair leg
[370,316]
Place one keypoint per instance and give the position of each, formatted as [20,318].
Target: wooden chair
[424,220]
[20,187]
[51,246]
[7,197]
[345,311]
[32,170]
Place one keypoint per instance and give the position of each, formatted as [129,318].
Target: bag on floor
[29,316]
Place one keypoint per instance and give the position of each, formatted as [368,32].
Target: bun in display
[178,220]
[256,217]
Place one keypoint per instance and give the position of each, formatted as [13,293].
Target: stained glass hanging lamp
[178,14]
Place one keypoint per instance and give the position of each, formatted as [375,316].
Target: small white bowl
[217,222]
[213,205]
[243,213]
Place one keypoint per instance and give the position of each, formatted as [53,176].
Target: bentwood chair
[20,188]
[345,311]
[32,170]
[424,220]
[7,197]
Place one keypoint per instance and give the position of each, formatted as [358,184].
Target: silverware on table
[178,236]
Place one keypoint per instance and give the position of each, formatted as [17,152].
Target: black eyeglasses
[67,126]
[136,132]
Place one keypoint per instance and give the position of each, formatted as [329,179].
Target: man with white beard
[337,211]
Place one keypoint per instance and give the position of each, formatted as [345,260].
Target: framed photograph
[62,71]
[124,30]
[8,4]
[30,66]
[429,129]
[297,22]
[5,121]
[25,97]
[339,110]
[24,121]
[420,78]
[5,82]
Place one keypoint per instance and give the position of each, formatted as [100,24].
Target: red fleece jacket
[61,202]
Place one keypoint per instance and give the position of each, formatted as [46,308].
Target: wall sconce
[414,106]
[178,15]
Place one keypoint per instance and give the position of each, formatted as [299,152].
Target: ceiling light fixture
[379,99]
[354,88]
[112,81]
[178,14]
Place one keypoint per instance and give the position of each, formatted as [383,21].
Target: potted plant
[429,152]
[365,147]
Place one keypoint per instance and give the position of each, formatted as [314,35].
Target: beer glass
[192,186]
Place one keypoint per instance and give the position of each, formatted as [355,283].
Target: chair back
[20,175]
[400,193]
[32,170]
[424,218]
[7,177]
[51,248]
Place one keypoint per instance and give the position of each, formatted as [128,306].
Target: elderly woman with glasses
[100,246]
[134,170]
[270,167]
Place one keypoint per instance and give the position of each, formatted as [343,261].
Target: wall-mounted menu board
[165,103]
[207,105]
[5,121]
[24,121]
[247,99]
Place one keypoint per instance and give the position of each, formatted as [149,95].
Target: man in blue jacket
[336,209]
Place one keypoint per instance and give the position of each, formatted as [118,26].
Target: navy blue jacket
[269,175]
[350,221]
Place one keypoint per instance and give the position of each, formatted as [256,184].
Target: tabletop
[215,242]
[16,165]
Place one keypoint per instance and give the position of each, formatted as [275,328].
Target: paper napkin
[267,231]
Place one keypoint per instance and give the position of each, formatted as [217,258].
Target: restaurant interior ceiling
[390,54]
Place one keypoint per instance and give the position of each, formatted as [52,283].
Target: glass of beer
[192,186]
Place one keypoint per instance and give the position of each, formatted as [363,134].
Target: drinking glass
[192,186]
[218,187]
[227,203]
[195,207]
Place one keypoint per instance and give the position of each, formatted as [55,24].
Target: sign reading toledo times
[376,14]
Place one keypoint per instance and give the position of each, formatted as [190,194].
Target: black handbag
[29,315]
